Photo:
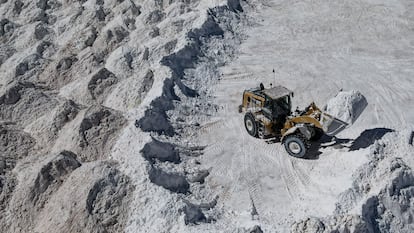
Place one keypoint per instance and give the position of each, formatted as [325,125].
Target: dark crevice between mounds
[66,112]
[91,36]
[172,181]
[66,63]
[29,63]
[40,31]
[15,144]
[11,96]
[97,132]
[6,52]
[94,119]
[108,40]
[370,213]
[100,14]
[199,176]
[162,151]
[18,7]
[116,35]
[14,93]
[193,151]
[43,4]
[53,174]
[154,17]
[129,59]
[107,201]
[24,101]
[170,46]
[253,211]
[255,229]
[100,82]
[109,191]
[6,27]
[410,140]
[43,47]
[234,5]
[155,118]
[187,57]
[193,213]
[184,89]
[7,186]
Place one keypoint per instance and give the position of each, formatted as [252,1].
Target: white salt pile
[347,106]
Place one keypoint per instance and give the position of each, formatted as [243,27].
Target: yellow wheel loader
[268,113]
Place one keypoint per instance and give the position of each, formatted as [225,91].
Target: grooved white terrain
[315,49]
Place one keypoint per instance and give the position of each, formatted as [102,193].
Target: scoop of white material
[342,111]
[347,106]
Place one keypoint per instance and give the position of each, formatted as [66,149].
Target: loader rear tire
[250,124]
[296,145]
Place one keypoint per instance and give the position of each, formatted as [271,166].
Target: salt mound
[346,106]
[381,196]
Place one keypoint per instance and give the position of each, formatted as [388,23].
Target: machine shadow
[368,137]
[364,140]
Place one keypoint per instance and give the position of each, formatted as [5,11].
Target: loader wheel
[250,124]
[296,145]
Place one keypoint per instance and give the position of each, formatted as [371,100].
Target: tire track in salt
[222,167]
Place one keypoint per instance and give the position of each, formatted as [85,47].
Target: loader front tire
[296,145]
[250,124]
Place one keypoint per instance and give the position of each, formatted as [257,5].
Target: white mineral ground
[75,75]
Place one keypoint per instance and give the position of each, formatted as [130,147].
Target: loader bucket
[342,111]
[332,125]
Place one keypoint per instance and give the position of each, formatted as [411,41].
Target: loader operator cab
[275,102]
[266,109]
[278,108]
[277,105]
